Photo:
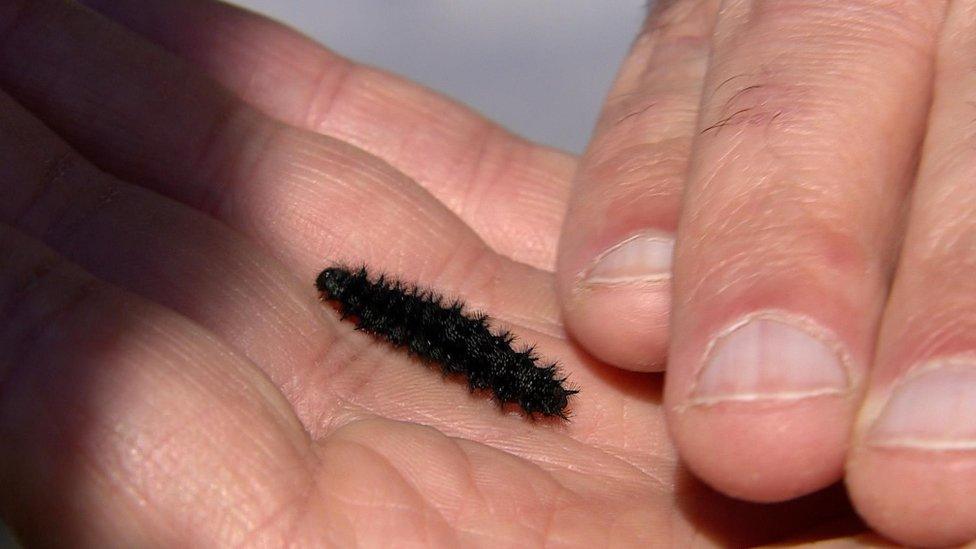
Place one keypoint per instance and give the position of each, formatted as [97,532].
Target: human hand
[812,334]
[168,375]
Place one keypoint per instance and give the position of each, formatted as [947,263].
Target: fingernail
[932,409]
[642,258]
[767,358]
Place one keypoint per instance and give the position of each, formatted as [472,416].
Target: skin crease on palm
[175,174]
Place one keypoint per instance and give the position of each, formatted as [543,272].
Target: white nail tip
[933,408]
[645,257]
[771,356]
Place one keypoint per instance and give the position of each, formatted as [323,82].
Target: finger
[101,395]
[912,471]
[811,117]
[511,192]
[282,186]
[615,254]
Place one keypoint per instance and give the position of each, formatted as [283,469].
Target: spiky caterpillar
[443,333]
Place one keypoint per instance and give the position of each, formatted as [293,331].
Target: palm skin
[170,375]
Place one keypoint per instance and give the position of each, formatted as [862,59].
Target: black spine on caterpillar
[442,333]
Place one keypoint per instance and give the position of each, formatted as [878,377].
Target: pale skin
[174,180]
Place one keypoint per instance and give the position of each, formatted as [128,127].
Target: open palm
[169,376]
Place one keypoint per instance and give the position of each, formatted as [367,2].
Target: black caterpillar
[444,334]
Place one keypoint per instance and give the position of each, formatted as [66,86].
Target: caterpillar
[443,333]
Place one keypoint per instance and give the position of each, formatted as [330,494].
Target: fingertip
[916,497]
[912,470]
[764,452]
[626,326]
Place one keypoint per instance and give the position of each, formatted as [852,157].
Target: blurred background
[539,67]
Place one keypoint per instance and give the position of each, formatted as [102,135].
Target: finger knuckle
[628,172]
[789,252]
[68,194]
[41,302]
[760,102]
